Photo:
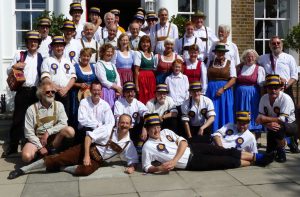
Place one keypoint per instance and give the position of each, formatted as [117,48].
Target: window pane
[259,29]
[35,16]
[267,48]
[284,8]
[197,5]
[38,4]
[22,4]
[23,20]
[270,29]
[21,40]
[259,8]
[259,47]
[184,5]
[283,28]
[271,8]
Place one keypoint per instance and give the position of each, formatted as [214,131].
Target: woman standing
[250,76]
[221,74]
[124,59]
[143,70]
[108,75]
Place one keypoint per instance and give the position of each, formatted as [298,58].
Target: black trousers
[25,97]
[286,130]
[170,123]
[205,138]
[135,132]
[210,157]
[65,101]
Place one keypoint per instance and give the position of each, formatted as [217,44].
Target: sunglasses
[52,92]
[274,87]
[275,43]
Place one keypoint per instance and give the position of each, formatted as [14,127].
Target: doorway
[127,8]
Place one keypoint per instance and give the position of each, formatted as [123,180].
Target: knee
[27,156]
[68,132]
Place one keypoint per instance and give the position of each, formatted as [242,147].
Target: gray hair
[225,27]
[107,14]
[89,25]
[169,40]
[40,88]
[161,10]
[246,52]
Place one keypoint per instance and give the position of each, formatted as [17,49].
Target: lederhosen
[186,48]
[97,51]
[162,38]
[25,96]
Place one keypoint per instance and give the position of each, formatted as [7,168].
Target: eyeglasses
[275,43]
[273,87]
[52,92]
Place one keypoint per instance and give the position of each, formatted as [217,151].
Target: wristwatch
[225,88]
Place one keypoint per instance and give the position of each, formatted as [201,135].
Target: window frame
[191,12]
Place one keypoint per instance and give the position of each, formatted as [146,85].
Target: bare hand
[274,126]
[44,138]
[84,86]
[220,92]
[63,91]
[119,89]
[19,65]
[87,160]
[43,151]
[144,134]
[99,21]
[201,131]
[169,165]
[129,170]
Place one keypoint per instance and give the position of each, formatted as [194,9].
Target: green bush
[180,22]
[292,40]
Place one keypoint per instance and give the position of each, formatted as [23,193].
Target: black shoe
[265,160]
[293,148]
[280,155]
[8,152]
[16,173]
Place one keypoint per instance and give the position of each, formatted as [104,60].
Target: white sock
[69,169]
[39,164]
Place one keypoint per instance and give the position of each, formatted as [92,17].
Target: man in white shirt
[135,35]
[84,159]
[277,115]
[236,135]
[96,20]
[280,63]
[93,112]
[43,26]
[111,37]
[76,12]
[164,151]
[109,19]
[161,31]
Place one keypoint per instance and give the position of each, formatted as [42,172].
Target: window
[187,7]
[271,18]
[26,13]
[150,5]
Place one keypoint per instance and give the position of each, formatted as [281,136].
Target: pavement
[274,180]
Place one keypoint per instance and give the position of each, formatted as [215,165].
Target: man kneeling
[84,159]
[169,151]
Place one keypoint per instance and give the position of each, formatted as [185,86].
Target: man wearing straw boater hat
[117,13]
[73,46]
[29,62]
[151,20]
[76,12]
[236,135]
[164,151]
[44,25]
[277,115]
[60,71]
[197,114]
[95,18]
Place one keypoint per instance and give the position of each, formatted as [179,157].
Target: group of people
[188,103]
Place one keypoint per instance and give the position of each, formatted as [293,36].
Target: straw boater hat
[273,80]
[75,7]
[220,47]
[95,10]
[199,13]
[195,86]
[129,85]
[115,12]
[162,87]
[139,16]
[151,119]
[151,15]
[44,21]
[33,35]
[242,116]
[68,25]
[141,10]
[58,40]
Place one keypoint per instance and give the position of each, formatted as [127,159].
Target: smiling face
[129,95]
[163,17]
[58,50]
[242,126]
[154,131]
[43,30]
[96,91]
[276,45]
[124,124]
[161,97]
[76,16]
[48,94]
[32,45]
[273,91]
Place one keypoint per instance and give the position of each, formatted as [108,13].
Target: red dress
[193,74]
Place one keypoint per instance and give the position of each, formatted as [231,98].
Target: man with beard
[45,124]
[277,115]
[84,159]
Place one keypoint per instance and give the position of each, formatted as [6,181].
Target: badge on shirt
[54,67]
[239,141]
[229,132]
[67,67]
[162,148]
[72,55]
[135,115]
[277,110]
[191,114]
[266,110]
[170,138]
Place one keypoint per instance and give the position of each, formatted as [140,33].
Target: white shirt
[135,109]
[98,34]
[101,73]
[113,42]
[94,116]
[45,47]
[285,65]
[101,136]
[72,51]
[30,69]
[79,30]
[92,44]
[203,79]
[248,70]
[105,33]
[197,115]
[168,106]
[158,46]
[63,73]
[283,107]
[232,54]
[201,33]
[231,138]
[171,141]
[178,87]
[188,42]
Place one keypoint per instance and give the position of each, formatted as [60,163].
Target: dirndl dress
[124,66]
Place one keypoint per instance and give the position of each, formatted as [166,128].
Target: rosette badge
[54,67]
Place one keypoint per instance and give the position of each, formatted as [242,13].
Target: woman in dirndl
[194,68]
[164,62]
[144,70]
[85,73]
[108,75]
[221,74]
[124,58]
[250,79]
